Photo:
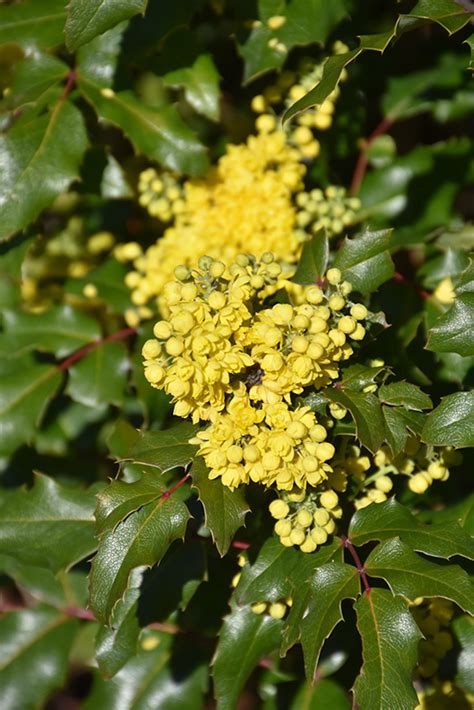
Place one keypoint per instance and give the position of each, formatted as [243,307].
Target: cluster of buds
[161,194]
[331,209]
[277,610]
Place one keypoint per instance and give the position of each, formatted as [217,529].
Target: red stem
[70,83]
[82,352]
[239,545]
[359,566]
[363,161]
[164,496]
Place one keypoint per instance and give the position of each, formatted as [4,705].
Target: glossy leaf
[165,449]
[390,649]
[450,424]
[49,525]
[33,22]
[313,261]
[365,260]
[43,155]
[404,394]
[247,637]
[140,540]
[201,85]
[330,585]
[224,510]
[34,77]
[366,412]
[447,13]
[390,519]
[97,60]
[88,18]
[60,330]
[412,576]
[463,627]
[323,694]
[454,331]
[114,185]
[35,645]
[100,377]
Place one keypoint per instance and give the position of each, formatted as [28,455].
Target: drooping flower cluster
[225,359]
[161,194]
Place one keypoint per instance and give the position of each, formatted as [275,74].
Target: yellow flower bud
[154,374]
[336,303]
[329,499]
[318,433]
[258,104]
[308,545]
[297,536]
[304,518]
[299,344]
[162,330]
[265,123]
[345,288]
[297,430]
[234,454]
[325,451]
[359,311]
[319,535]
[217,300]
[418,483]
[314,295]
[174,346]
[359,332]
[279,509]
[283,528]
[346,324]
[277,610]
[258,607]
[270,461]
[321,517]
[384,483]
[276,21]
[333,276]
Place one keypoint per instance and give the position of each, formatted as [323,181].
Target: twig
[363,161]
[70,83]
[239,545]
[82,352]
[359,566]
[164,496]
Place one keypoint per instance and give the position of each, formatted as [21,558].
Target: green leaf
[60,330]
[48,525]
[314,259]
[450,424]
[160,134]
[324,694]
[463,627]
[114,184]
[35,645]
[100,377]
[247,637]
[357,376]
[97,60]
[404,394]
[390,649]
[447,13]
[34,77]
[201,85]
[33,22]
[140,540]
[224,510]
[367,413]
[390,519]
[278,570]
[25,393]
[410,575]
[365,260]
[108,279]
[165,449]
[454,331]
[330,585]
[88,18]
[149,681]
[43,155]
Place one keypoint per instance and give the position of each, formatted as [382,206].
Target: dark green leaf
[463,627]
[201,86]
[247,637]
[140,540]
[34,76]
[165,449]
[356,377]
[447,13]
[114,185]
[24,395]
[324,694]
[450,424]
[88,18]
[60,330]
[224,510]
[43,154]
[412,576]
[367,413]
[97,60]
[33,22]
[390,649]
[454,331]
[100,377]
[313,260]
[404,394]
[390,519]
[396,432]
[365,260]
[35,645]
[330,585]
[48,525]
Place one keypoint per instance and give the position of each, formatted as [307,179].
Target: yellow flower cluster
[222,360]
[306,519]
[245,203]
[161,194]
[331,209]
[277,610]
[433,616]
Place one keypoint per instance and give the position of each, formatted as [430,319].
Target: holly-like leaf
[49,525]
[390,649]
[248,637]
[224,510]
[165,449]
[43,154]
[160,134]
[448,13]
[97,60]
[100,377]
[60,330]
[390,519]
[365,260]
[201,85]
[35,644]
[412,576]
[36,23]
[278,570]
[450,424]
[324,694]
[463,627]
[367,413]
[34,77]
[88,18]
[357,377]
[114,184]
[25,393]
[140,540]
[404,394]
[454,330]
[313,260]
[330,585]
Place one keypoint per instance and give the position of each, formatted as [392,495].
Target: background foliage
[98,480]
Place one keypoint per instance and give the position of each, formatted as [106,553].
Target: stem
[77,613]
[363,161]
[68,87]
[359,566]
[239,545]
[82,352]
[164,496]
